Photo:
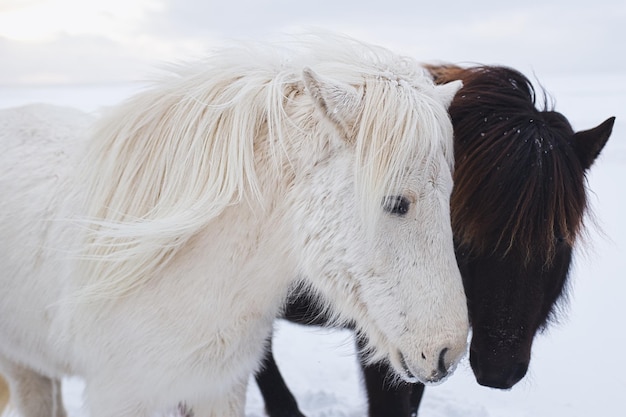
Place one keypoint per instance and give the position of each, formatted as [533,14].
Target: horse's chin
[413,373]
[405,371]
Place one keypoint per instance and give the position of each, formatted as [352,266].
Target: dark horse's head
[517,207]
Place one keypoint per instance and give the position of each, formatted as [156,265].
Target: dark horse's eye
[396,204]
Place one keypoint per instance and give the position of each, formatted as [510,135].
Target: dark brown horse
[517,209]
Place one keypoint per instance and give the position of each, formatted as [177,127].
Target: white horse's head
[374,224]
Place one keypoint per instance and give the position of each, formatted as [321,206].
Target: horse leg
[416,398]
[112,399]
[385,399]
[401,400]
[279,402]
[33,394]
[232,404]
[4,394]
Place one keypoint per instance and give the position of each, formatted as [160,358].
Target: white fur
[150,253]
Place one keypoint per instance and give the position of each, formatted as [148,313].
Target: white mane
[169,160]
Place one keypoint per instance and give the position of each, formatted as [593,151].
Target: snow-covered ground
[577,368]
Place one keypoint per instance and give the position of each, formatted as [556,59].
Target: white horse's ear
[447,91]
[337,101]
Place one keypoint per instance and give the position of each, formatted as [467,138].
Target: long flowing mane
[517,176]
[169,160]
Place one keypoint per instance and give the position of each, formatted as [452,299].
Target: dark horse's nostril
[441,365]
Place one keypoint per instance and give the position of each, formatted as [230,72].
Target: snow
[577,367]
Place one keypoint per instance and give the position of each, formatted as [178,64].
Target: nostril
[441,365]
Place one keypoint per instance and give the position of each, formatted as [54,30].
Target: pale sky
[97,41]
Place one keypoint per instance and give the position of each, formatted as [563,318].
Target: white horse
[150,253]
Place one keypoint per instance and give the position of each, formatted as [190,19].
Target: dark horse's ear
[589,143]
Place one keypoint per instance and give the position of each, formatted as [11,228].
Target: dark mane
[511,190]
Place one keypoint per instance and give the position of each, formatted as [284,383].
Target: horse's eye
[396,204]
[559,240]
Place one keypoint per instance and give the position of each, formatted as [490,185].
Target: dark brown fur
[510,157]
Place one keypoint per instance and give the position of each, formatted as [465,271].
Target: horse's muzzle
[497,375]
[435,377]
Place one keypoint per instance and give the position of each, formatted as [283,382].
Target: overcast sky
[86,41]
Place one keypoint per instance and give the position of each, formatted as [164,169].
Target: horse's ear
[337,101]
[447,91]
[588,143]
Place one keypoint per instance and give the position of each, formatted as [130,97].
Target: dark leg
[416,398]
[302,308]
[279,402]
[385,400]
[388,399]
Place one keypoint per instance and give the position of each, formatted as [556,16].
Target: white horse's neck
[168,163]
